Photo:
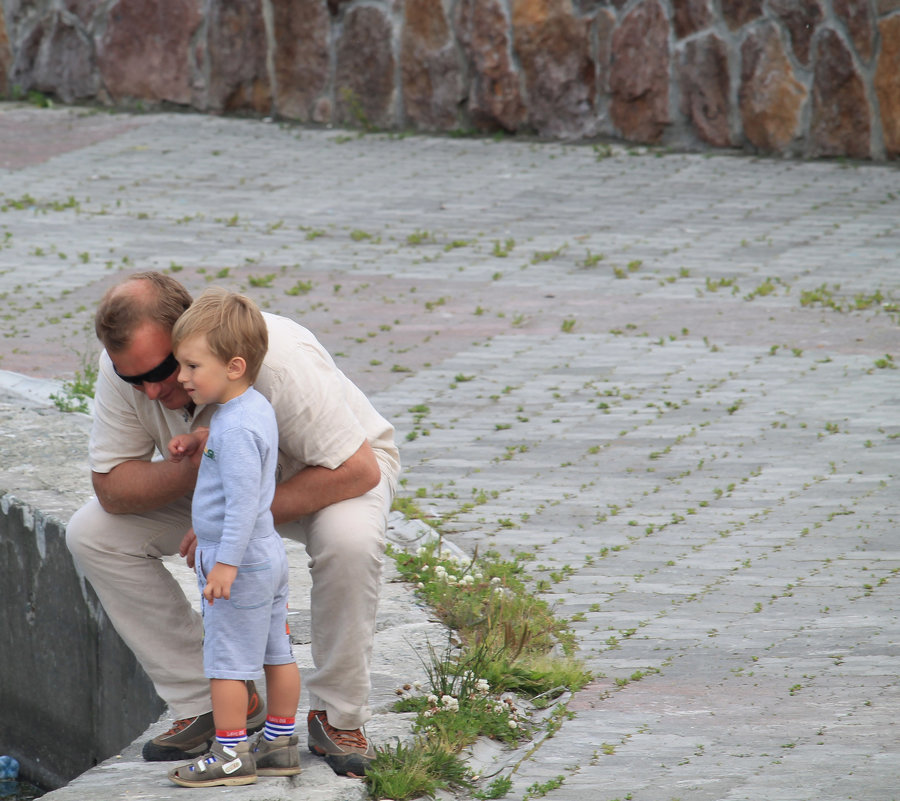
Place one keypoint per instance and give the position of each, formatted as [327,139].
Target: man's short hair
[146,296]
[233,326]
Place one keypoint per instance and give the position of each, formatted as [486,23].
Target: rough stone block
[237,48]
[301,30]
[690,16]
[801,20]
[431,79]
[887,83]
[145,52]
[705,86]
[554,51]
[5,54]
[840,112]
[364,78]
[738,13]
[56,58]
[857,16]
[770,97]
[494,97]
[639,80]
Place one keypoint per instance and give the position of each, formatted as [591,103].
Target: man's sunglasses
[161,372]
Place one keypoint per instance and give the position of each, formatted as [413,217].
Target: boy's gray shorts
[249,630]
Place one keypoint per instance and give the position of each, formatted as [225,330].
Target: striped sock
[231,736]
[278,727]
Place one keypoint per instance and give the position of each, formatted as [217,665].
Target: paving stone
[709,449]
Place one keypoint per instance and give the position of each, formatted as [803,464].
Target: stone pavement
[666,381]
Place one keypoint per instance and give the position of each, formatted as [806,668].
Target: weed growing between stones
[505,644]
[74,394]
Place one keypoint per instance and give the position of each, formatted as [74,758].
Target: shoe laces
[179,725]
[348,738]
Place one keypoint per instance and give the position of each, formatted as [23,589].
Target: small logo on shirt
[210,453]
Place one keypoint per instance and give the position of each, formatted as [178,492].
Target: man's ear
[236,368]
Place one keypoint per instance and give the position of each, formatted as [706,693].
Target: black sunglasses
[159,373]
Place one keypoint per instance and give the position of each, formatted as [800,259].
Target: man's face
[150,347]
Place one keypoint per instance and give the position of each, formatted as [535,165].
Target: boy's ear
[236,368]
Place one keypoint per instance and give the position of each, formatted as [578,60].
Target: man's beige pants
[121,557]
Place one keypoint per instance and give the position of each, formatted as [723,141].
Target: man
[337,473]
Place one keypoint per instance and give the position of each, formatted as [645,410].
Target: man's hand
[188,547]
[219,581]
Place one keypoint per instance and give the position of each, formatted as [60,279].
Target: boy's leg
[229,703]
[275,748]
[282,690]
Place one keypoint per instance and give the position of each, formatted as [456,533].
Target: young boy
[241,564]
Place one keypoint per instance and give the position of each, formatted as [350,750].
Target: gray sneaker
[278,757]
[191,737]
[347,751]
[222,766]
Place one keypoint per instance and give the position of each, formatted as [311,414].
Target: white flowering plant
[458,705]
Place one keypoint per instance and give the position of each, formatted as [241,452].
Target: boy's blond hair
[233,326]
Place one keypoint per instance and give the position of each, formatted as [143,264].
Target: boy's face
[204,376]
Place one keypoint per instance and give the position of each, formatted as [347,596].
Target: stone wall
[801,77]
[71,693]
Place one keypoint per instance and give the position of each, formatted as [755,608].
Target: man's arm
[137,486]
[314,488]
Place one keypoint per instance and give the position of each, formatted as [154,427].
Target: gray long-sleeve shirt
[236,480]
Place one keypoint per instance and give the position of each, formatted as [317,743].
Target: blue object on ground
[9,768]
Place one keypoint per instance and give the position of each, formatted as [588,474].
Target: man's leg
[120,556]
[345,543]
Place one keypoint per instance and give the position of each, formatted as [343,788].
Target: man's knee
[80,530]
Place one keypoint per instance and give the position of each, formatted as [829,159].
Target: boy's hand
[190,445]
[219,581]
[181,446]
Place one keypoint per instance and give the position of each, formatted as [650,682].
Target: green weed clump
[73,397]
[505,644]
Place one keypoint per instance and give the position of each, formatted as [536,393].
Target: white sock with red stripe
[231,737]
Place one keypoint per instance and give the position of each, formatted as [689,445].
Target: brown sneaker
[191,737]
[347,751]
